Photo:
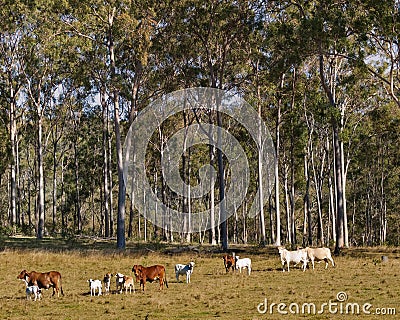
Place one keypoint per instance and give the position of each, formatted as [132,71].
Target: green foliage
[55,58]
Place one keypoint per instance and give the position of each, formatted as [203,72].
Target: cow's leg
[143,283]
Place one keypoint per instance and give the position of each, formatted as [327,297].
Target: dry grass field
[268,293]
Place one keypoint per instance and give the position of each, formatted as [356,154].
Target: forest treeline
[323,75]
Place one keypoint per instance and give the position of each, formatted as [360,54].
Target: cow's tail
[61,289]
[165,279]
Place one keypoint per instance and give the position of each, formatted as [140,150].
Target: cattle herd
[36,281]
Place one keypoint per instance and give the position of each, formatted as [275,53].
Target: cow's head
[119,275]
[23,275]
[136,269]
[280,249]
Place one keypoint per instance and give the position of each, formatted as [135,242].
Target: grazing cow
[229,262]
[293,256]
[32,291]
[93,285]
[128,283]
[44,280]
[319,254]
[119,282]
[156,272]
[181,269]
[107,282]
[243,263]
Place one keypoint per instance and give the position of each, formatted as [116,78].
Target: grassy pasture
[212,294]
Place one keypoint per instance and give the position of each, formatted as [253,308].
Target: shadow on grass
[136,248]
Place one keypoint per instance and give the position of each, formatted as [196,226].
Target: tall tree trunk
[13,173]
[54,191]
[120,161]
[307,228]
[41,213]
[263,240]
[339,182]
[291,192]
[332,207]
[106,164]
[211,149]
[110,178]
[344,178]
[221,171]
[339,191]
[13,166]
[78,218]
[276,168]
[287,205]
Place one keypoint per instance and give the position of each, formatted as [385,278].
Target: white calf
[243,263]
[181,269]
[107,281]
[319,254]
[93,285]
[293,256]
[119,282]
[32,291]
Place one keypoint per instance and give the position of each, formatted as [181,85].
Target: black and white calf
[119,282]
[34,291]
[107,281]
[181,269]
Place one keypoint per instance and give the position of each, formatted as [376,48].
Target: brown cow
[43,280]
[156,272]
[229,262]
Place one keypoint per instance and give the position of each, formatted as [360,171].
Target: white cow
[319,254]
[293,256]
[181,269]
[94,284]
[243,263]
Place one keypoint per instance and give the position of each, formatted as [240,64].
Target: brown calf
[150,274]
[229,262]
[44,280]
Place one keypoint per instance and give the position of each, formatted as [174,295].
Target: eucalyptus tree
[119,33]
[11,79]
[215,34]
[38,64]
[378,28]
[325,27]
